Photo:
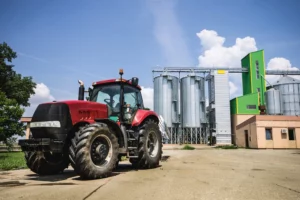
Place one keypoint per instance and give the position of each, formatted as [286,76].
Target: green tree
[15,92]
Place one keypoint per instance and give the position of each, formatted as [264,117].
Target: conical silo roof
[286,80]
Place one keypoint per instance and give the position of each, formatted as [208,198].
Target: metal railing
[187,135]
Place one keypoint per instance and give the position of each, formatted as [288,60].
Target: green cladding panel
[246,76]
[252,80]
[247,104]
[233,106]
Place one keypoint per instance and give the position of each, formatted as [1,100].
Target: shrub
[227,147]
[188,147]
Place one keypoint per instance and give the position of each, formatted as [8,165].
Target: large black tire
[96,151]
[149,157]
[72,150]
[46,163]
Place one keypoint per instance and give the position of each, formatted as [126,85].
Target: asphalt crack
[289,188]
[95,190]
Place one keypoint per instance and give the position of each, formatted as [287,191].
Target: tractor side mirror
[135,81]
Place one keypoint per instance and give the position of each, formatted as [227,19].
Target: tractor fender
[122,137]
[141,115]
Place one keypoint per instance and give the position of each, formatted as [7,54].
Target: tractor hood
[78,110]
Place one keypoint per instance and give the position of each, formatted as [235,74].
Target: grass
[226,147]
[12,160]
[123,158]
[188,147]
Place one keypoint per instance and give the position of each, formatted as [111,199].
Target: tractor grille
[52,112]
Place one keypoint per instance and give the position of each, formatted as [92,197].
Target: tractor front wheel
[96,151]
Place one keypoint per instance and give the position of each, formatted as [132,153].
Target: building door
[246,139]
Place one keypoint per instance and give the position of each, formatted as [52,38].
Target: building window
[251,107]
[291,134]
[257,69]
[258,89]
[269,134]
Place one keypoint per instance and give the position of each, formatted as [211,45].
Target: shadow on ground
[69,173]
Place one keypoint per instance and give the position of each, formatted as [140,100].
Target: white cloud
[169,33]
[147,94]
[279,63]
[215,54]
[42,95]
[210,38]
[232,87]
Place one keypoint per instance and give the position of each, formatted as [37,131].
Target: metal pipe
[230,70]
[282,72]
[81,90]
[199,70]
[266,80]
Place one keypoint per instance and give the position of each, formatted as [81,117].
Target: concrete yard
[185,175]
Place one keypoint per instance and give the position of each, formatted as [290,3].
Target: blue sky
[59,42]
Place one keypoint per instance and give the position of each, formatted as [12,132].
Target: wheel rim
[101,151]
[152,144]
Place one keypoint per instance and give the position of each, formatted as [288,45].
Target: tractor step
[132,139]
[133,156]
[131,148]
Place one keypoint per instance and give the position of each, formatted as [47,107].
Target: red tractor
[93,135]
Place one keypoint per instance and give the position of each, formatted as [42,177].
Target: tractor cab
[110,94]
[122,97]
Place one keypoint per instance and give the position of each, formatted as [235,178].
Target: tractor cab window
[110,95]
[132,97]
[106,94]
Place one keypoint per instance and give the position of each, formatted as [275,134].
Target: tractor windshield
[110,95]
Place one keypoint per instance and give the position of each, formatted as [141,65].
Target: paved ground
[199,174]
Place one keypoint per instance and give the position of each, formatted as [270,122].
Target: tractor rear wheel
[96,151]
[46,163]
[150,146]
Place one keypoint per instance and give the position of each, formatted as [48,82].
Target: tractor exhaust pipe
[81,90]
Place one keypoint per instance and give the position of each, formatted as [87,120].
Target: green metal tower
[254,80]
[254,85]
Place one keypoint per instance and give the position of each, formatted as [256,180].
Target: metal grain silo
[289,95]
[166,98]
[272,98]
[192,100]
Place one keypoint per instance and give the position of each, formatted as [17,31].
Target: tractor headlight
[55,124]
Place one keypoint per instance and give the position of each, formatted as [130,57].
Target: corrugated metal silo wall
[222,107]
[211,90]
[290,103]
[272,99]
[190,101]
[166,98]
[192,95]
